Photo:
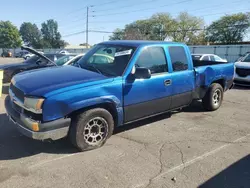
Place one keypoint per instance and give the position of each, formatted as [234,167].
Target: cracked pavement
[191,148]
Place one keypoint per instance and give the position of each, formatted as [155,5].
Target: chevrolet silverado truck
[88,100]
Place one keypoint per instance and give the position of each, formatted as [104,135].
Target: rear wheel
[91,129]
[213,98]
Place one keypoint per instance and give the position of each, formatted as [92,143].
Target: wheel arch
[109,106]
[220,81]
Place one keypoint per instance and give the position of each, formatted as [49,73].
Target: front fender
[55,109]
[62,104]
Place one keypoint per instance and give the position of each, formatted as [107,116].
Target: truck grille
[17,92]
[243,72]
[16,108]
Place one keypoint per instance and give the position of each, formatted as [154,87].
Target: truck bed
[207,72]
[198,63]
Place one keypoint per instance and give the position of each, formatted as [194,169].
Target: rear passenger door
[182,77]
[145,97]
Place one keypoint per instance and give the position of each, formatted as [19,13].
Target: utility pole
[87,28]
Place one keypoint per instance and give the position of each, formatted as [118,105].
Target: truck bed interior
[198,63]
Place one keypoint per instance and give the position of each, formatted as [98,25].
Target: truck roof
[136,43]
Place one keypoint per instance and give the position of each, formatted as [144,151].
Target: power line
[121,7]
[180,30]
[138,10]
[167,31]
[119,21]
[106,3]
[222,13]
[97,31]
[93,5]
[72,34]
[74,21]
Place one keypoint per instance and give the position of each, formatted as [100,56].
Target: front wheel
[91,129]
[213,98]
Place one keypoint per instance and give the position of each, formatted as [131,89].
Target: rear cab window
[154,59]
[178,58]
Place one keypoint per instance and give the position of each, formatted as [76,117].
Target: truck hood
[43,81]
[33,51]
[6,66]
[242,65]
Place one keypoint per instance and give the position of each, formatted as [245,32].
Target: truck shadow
[195,106]
[236,87]
[141,123]
[236,175]
[13,145]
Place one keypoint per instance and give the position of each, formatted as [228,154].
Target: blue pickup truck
[115,83]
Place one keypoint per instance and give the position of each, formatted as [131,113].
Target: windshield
[246,58]
[64,59]
[107,59]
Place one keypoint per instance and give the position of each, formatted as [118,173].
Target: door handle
[167,82]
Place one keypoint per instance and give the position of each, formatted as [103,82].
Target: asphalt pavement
[185,149]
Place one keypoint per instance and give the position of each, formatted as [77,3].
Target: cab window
[178,58]
[154,59]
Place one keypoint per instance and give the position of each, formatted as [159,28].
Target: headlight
[33,103]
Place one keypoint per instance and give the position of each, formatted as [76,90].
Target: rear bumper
[53,130]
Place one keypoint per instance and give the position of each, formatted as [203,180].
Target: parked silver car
[242,71]
[208,57]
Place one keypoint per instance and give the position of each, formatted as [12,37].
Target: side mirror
[141,73]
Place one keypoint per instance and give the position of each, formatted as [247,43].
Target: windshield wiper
[92,65]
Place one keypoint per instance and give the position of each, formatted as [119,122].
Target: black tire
[80,133]
[213,98]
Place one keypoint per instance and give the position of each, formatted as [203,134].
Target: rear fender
[208,76]
[205,78]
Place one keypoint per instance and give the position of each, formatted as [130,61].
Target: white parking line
[188,163]
[201,157]
[55,159]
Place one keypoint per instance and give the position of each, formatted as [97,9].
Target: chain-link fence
[229,52]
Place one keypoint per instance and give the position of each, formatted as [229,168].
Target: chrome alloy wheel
[217,97]
[95,131]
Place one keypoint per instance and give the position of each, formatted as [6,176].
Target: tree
[118,34]
[186,28]
[229,29]
[136,30]
[51,36]
[31,35]
[153,28]
[9,35]
[161,24]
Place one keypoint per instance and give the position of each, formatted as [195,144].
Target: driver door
[145,97]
